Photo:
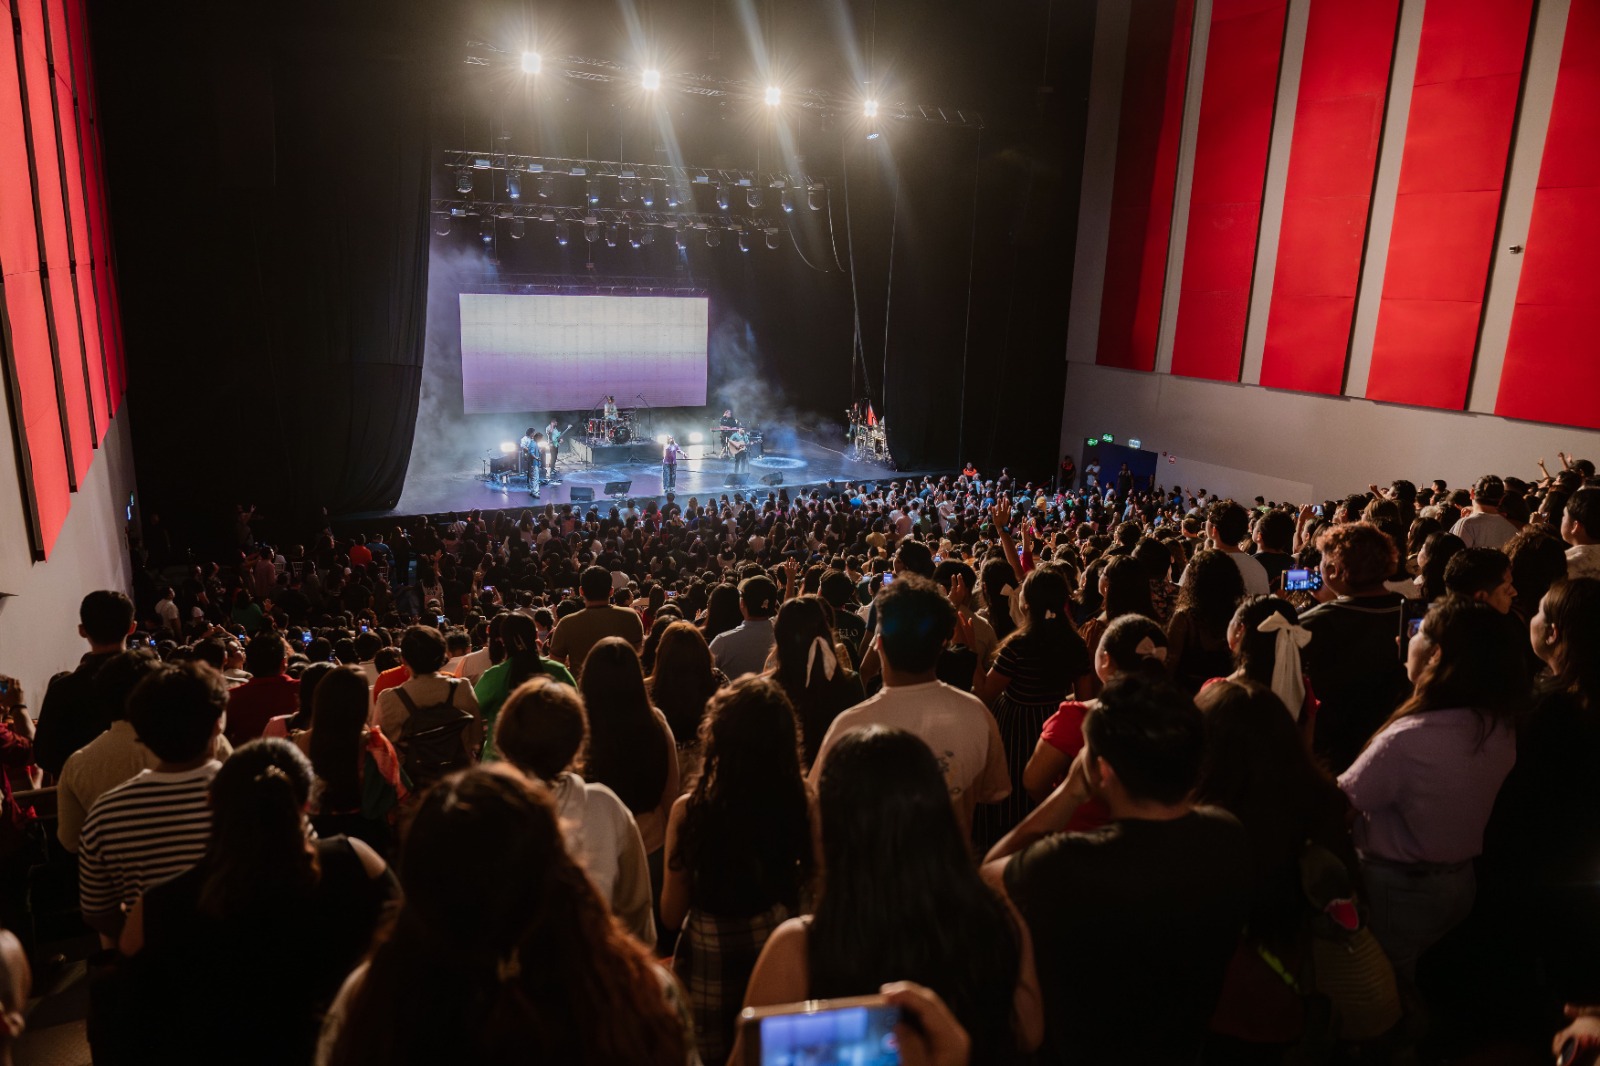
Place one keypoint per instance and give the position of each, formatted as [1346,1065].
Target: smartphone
[5,687]
[1316,509]
[363,627]
[858,1030]
[888,579]
[442,620]
[1412,612]
[1302,580]
[672,594]
[305,638]
[938,558]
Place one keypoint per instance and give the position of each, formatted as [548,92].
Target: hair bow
[1288,680]
[1147,650]
[820,648]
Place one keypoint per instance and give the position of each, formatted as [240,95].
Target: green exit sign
[1108,438]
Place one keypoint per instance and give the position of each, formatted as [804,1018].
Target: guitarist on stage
[739,445]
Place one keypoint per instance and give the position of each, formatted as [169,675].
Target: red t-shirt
[1063,731]
[255,703]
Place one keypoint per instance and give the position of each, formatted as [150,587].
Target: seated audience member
[914,622]
[1580,527]
[1228,526]
[294,727]
[503,951]
[744,649]
[1132,644]
[1266,639]
[1256,766]
[680,684]
[1424,785]
[16,988]
[157,823]
[1197,635]
[110,758]
[631,749]
[522,663]
[1482,574]
[361,782]
[70,715]
[267,916]
[580,631]
[1484,526]
[1133,923]
[411,714]
[541,731]
[1352,660]
[1038,666]
[739,854]
[808,667]
[902,901]
[269,693]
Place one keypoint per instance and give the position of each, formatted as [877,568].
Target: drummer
[611,409]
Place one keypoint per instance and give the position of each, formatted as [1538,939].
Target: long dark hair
[504,952]
[521,636]
[1047,635]
[722,611]
[746,838]
[627,750]
[338,729]
[1257,655]
[683,679]
[258,855]
[902,899]
[1572,608]
[994,577]
[1127,588]
[310,678]
[1479,665]
[1212,588]
[1440,547]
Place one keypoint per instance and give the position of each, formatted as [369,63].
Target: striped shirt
[147,829]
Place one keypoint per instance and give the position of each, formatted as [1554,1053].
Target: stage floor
[805,465]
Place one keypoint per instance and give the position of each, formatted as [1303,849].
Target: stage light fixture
[651,80]
[546,183]
[634,238]
[486,229]
[713,237]
[563,233]
[870,108]
[774,96]
[514,185]
[591,232]
[531,63]
[661,438]
[593,192]
[671,193]
[815,197]
[744,240]
[773,239]
[625,191]
[518,228]
[753,197]
[697,438]
[647,194]
[648,236]
[441,224]
[464,180]
[507,447]
[786,199]
[722,197]
[547,214]
[613,235]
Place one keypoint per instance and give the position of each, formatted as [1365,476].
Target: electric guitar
[556,437]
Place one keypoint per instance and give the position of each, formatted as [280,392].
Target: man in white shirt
[914,622]
[1484,526]
[1227,525]
[167,611]
[1580,527]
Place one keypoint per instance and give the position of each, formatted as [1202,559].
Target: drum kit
[603,431]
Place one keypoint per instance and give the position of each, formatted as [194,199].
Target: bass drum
[622,436]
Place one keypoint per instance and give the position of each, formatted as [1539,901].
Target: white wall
[1247,440]
[39,614]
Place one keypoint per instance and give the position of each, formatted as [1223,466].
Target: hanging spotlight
[464,180]
[514,185]
[625,191]
[651,80]
[563,233]
[774,96]
[545,184]
[870,108]
[633,237]
[531,63]
[613,235]
[647,194]
[744,240]
[591,232]
[773,239]
[518,228]
[441,224]
[671,192]
[752,196]
[786,199]
[647,236]
[593,193]
[680,240]
[722,196]
[713,237]
[815,197]
[486,229]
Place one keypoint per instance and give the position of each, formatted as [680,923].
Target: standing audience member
[744,649]
[411,713]
[541,731]
[1580,527]
[806,665]
[739,854]
[580,631]
[1134,923]
[631,750]
[523,662]
[268,694]
[1266,639]
[295,727]
[1484,526]
[267,916]
[110,758]
[1197,635]
[1228,526]
[70,715]
[361,782]
[503,951]
[681,681]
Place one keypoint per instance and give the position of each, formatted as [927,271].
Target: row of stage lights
[650,191]
[615,234]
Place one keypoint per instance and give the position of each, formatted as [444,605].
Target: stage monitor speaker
[581,494]
[772,479]
[736,480]
[618,488]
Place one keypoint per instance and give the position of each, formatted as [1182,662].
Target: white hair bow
[1288,680]
[1147,650]
[830,662]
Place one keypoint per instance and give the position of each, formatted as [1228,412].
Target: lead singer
[669,465]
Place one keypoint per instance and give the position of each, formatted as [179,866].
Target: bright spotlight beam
[651,80]
[774,96]
[870,108]
[531,63]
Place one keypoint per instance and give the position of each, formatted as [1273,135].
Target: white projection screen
[564,353]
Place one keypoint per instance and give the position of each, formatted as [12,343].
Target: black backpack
[430,743]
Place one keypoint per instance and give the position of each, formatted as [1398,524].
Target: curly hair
[1364,552]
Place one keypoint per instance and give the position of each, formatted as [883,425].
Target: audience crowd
[1073,774]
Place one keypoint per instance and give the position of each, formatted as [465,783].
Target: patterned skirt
[713,961]
[1020,725]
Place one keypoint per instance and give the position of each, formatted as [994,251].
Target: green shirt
[493,688]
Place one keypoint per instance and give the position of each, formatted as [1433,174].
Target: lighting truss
[605,216]
[581,284]
[458,160]
[817,101]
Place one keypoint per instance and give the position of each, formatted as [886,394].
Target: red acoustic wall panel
[1147,167]
[25,354]
[1230,172]
[1452,173]
[1338,121]
[110,324]
[77,221]
[63,308]
[1551,371]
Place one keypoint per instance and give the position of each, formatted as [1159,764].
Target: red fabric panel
[1338,119]
[77,219]
[45,480]
[100,232]
[1230,173]
[1469,72]
[1551,373]
[57,248]
[1147,169]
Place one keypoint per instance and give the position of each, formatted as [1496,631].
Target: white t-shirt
[1583,561]
[954,724]
[602,835]
[1484,530]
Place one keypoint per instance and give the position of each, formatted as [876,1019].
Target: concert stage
[801,465]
